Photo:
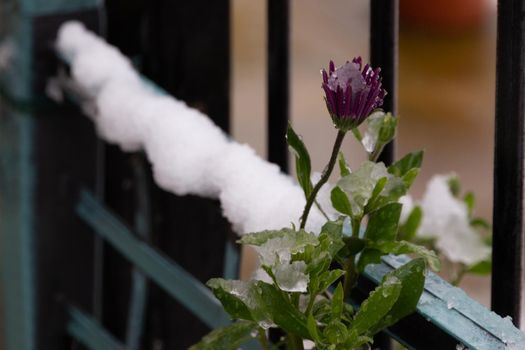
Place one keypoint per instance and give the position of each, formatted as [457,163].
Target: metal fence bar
[231,261]
[142,225]
[508,161]
[446,316]
[384,27]
[89,332]
[175,280]
[384,18]
[41,260]
[278,22]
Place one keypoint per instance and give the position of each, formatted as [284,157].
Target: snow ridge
[188,152]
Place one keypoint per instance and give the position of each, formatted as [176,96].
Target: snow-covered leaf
[292,277]
[360,185]
[381,129]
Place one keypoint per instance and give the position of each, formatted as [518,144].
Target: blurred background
[446,86]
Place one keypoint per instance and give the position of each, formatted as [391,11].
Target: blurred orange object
[444,14]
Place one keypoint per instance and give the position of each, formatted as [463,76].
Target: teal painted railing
[175,280]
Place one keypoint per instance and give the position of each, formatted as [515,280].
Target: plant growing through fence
[311,277]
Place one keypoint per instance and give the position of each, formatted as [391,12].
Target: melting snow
[445,218]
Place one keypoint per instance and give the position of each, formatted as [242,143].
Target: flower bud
[352,93]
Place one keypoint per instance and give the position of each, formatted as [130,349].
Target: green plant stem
[311,302]
[324,177]
[459,276]
[351,276]
[356,226]
[375,153]
[295,342]
[321,210]
[261,336]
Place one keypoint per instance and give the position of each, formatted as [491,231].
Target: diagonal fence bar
[89,332]
[445,316]
[167,274]
[508,213]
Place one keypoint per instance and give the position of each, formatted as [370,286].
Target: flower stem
[351,275]
[376,153]
[261,336]
[459,276]
[324,177]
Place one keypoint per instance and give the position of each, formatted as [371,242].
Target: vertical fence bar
[384,27]
[46,251]
[278,22]
[508,161]
[182,36]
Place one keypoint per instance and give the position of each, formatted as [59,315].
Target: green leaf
[318,263]
[331,237]
[380,185]
[404,247]
[322,310]
[335,332]
[355,341]
[230,294]
[343,167]
[337,302]
[383,223]
[312,328]
[480,223]
[377,305]
[357,134]
[388,129]
[303,165]
[408,230]
[228,337]
[410,177]
[393,189]
[281,311]
[368,256]
[328,278]
[340,201]
[454,185]
[482,268]
[470,202]
[412,277]
[354,245]
[333,229]
[405,164]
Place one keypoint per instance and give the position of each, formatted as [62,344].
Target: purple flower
[351,94]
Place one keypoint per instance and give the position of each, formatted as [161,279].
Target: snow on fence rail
[188,152]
